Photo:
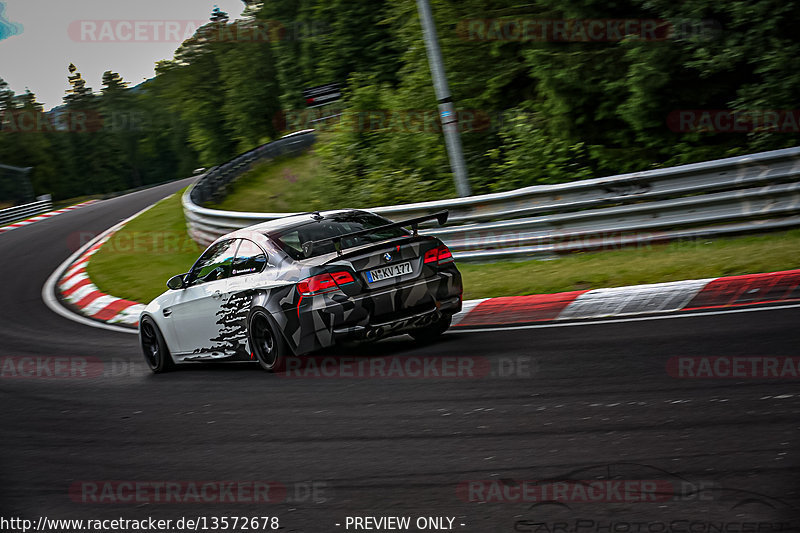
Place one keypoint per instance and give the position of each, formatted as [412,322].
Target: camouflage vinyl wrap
[357,310]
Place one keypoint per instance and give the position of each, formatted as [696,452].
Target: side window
[249,259]
[215,263]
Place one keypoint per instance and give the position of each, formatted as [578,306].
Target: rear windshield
[291,239]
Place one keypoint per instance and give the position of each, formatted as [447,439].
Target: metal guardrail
[735,195]
[15,184]
[24,211]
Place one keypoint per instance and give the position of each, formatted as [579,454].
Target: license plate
[391,271]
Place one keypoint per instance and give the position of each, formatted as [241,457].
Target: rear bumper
[399,325]
[332,317]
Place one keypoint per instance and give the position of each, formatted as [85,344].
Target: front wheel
[429,333]
[266,342]
[154,348]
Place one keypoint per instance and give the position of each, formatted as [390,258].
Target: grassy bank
[651,264]
[137,261]
[282,185]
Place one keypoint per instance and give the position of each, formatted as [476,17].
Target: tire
[154,348]
[266,342]
[431,332]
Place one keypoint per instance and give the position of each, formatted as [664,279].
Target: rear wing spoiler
[440,216]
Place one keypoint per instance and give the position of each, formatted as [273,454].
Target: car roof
[283,223]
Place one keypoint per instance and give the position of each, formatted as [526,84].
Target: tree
[195,90]
[218,16]
[251,92]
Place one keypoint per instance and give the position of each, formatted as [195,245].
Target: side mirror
[176,282]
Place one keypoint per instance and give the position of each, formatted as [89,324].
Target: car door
[246,275]
[250,262]
[197,309]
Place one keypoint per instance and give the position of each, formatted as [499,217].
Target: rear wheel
[429,333]
[266,342]
[155,351]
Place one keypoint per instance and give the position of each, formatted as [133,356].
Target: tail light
[324,283]
[438,255]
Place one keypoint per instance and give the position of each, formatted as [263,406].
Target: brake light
[342,277]
[323,283]
[441,254]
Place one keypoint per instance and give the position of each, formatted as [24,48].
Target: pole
[447,110]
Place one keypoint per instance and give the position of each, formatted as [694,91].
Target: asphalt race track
[590,402]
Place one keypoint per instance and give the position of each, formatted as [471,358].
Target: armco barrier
[727,196]
[23,211]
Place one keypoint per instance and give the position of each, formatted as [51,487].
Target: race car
[297,284]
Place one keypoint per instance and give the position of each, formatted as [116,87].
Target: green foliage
[251,93]
[546,110]
[382,151]
[529,156]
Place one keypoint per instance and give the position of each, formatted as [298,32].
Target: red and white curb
[688,295]
[98,309]
[81,300]
[77,289]
[44,216]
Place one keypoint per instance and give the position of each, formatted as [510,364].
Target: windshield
[291,240]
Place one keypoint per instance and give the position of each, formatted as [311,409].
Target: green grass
[282,185]
[650,264]
[137,261]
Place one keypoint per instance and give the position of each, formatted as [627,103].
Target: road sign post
[447,112]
